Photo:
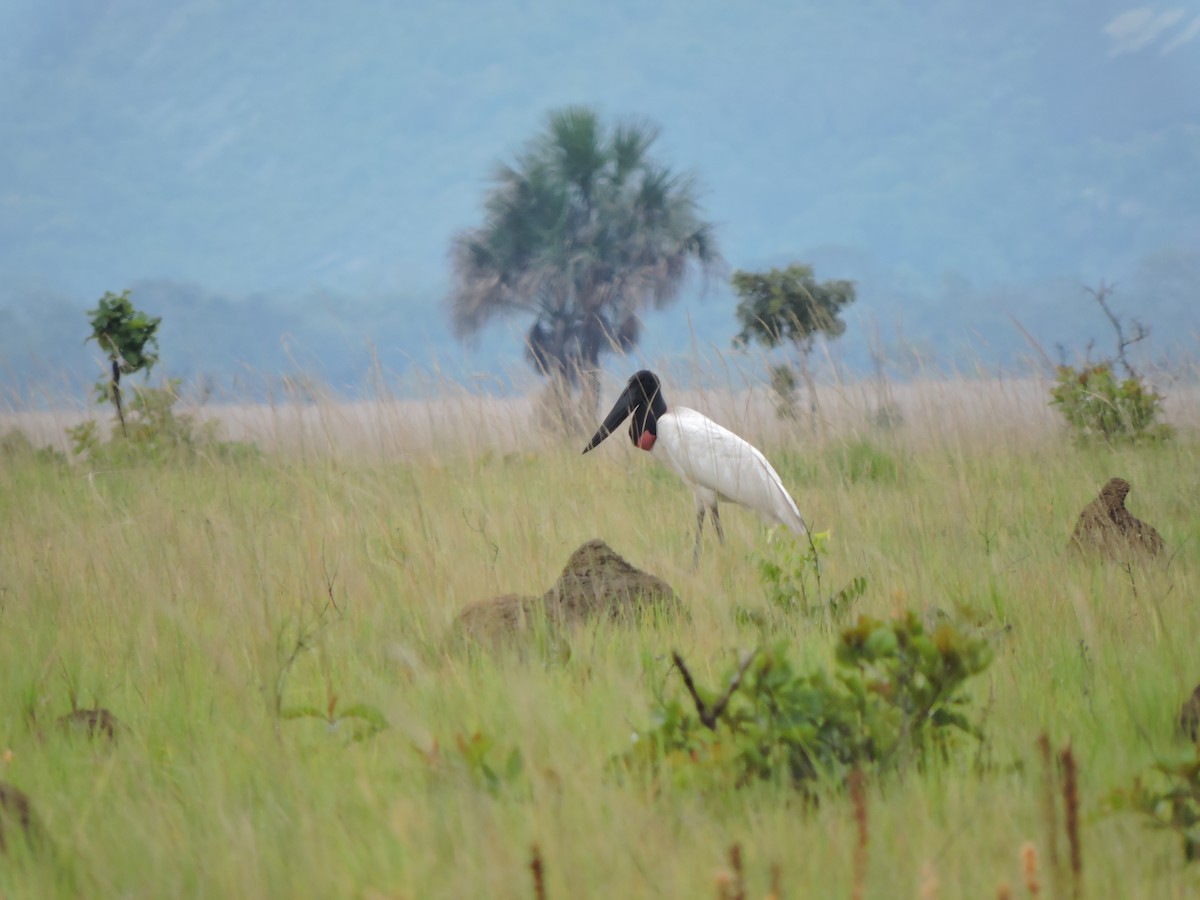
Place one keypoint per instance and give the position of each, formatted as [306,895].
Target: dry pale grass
[924,412]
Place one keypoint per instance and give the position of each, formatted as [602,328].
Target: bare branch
[330,578]
[710,715]
[481,530]
[1140,331]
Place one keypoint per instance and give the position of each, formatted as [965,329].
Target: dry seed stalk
[1029,864]
[1071,803]
[739,876]
[776,882]
[929,881]
[858,796]
[539,874]
[1049,801]
[724,880]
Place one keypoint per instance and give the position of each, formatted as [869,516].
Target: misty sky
[261,169]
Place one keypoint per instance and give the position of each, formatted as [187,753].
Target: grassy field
[199,599]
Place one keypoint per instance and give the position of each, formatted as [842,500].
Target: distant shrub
[155,432]
[1099,405]
[895,697]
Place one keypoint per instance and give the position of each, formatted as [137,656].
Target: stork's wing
[712,457]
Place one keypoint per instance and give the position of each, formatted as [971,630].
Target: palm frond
[582,230]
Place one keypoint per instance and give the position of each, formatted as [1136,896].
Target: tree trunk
[590,343]
[810,387]
[116,395]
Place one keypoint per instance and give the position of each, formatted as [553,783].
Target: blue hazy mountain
[280,181]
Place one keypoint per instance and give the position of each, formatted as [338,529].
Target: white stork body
[718,465]
[713,461]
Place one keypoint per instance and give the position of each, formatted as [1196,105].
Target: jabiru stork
[713,461]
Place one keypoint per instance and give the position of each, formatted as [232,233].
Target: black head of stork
[643,399]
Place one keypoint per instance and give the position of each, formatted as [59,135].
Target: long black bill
[625,404]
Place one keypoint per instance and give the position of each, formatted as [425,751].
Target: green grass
[175,596]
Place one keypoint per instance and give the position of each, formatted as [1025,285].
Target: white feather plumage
[718,465]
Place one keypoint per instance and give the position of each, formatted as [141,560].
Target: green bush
[895,697]
[793,583]
[1169,799]
[155,432]
[1098,405]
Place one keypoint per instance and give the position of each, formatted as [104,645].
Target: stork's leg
[717,524]
[699,532]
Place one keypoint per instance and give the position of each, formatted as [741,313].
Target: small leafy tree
[789,306]
[1096,402]
[127,336]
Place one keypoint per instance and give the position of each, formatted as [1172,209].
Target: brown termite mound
[16,817]
[497,618]
[597,583]
[1106,527]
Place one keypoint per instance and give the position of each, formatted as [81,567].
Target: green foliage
[792,580]
[896,696]
[357,722]
[1098,405]
[475,753]
[1168,799]
[783,386]
[789,305]
[126,335]
[85,438]
[584,231]
[155,432]
[473,756]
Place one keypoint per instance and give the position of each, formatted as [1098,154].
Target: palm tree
[582,232]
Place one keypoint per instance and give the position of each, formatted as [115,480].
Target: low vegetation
[894,702]
[1097,403]
[932,698]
